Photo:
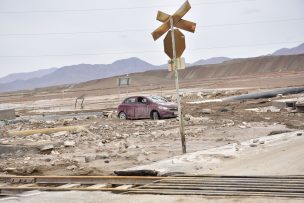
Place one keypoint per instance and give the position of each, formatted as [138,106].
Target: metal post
[118,94]
[161,90]
[181,123]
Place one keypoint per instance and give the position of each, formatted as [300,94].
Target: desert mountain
[80,73]
[25,76]
[292,51]
[214,60]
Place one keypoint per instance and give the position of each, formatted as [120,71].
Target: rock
[47,148]
[2,124]
[299,134]
[69,143]
[67,122]
[117,135]
[199,94]
[107,161]
[280,95]
[27,158]
[206,111]
[144,152]
[47,159]
[220,139]
[103,155]
[91,117]
[275,132]
[187,117]
[36,136]
[133,147]
[112,115]
[55,152]
[125,135]
[60,134]
[33,121]
[10,169]
[50,122]
[72,167]
[227,156]
[139,123]
[88,159]
[102,143]
[45,137]
[253,145]
[262,142]
[225,110]
[255,140]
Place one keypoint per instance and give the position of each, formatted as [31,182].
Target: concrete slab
[7,114]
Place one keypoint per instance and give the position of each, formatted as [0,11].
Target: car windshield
[158,99]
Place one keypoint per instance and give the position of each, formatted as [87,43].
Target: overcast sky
[37,34]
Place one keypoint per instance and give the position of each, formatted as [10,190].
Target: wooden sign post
[174,46]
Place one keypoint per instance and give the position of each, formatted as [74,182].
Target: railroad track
[267,186]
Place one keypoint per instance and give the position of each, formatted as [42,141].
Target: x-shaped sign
[177,21]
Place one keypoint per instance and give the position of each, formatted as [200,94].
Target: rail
[205,185]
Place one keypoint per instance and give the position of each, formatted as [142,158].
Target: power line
[147,51]
[119,8]
[149,29]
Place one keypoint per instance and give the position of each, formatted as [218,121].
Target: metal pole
[119,94]
[161,90]
[181,122]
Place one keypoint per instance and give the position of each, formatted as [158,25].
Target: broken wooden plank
[68,185]
[98,186]
[137,173]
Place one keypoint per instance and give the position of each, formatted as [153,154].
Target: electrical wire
[146,51]
[119,8]
[149,29]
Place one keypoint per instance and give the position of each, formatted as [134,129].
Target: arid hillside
[244,68]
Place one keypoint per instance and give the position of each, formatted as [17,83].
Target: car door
[130,105]
[141,109]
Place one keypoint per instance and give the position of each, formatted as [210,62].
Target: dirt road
[283,159]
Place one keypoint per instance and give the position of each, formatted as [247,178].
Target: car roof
[136,96]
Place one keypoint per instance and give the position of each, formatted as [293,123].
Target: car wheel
[155,115]
[122,116]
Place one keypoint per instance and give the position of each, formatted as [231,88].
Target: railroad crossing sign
[178,22]
[180,43]
[174,46]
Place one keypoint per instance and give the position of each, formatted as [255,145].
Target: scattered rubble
[104,143]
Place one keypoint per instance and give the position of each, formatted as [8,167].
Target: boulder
[47,148]
[103,155]
[72,167]
[69,143]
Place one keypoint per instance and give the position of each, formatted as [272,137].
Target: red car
[153,107]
